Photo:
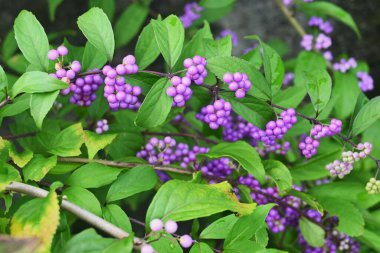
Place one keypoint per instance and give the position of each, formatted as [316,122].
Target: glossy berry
[156,225]
[186,241]
[146,248]
[171,226]
[62,50]
[365,81]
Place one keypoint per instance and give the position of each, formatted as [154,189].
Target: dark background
[260,17]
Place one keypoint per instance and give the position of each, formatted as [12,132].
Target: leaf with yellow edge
[181,200]
[20,159]
[95,142]
[7,175]
[37,218]
[38,167]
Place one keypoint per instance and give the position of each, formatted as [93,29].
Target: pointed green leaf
[312,233]
[95,142]
[38,167]
[40,105]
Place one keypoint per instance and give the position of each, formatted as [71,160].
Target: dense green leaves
[40,104]
[38,167]
[37,82]
[318,85]
[221,47]
[32,40]
[93,175]
[180,200]
[326,8]
[307,62]
[243,153]
[368,115]
[222,64]
[130,23]
[87,241]
[138,179]
[146,50]
[252,109]
[3,79]
[312,233]
[98,30]
[156,106]
[169,35]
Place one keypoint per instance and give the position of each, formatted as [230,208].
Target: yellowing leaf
[37,218]
[20,159]
[95,142]
[38,167]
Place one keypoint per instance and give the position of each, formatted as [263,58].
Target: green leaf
[315,167]
[201,248]
[371,238]
[108,6]
[166,244]
[307,62]
[97,28]
[132,18]
[93,175]
[351,220]
[291,97]
[222,64]
[221,47]
[8,174]
[20,104]
[87,241]
[32,40]
[83,198]
[241,232]
[318,85]
[146,50]
[3,79]
[95,142]
[332,10]
[346,89]
[37,218]
[116,215]
[92,58]
[252,109]
[124,245]
[280,174]
[156,105]
[169,35]
[196,46]
[181,200]
[40,105]
[220,228]
[53,4]
[37,82]
[312,233]
[136,180]
[67,142]
[20,159]
[215,9]
[9,45]
[368,115]
[38,167]
[243,153]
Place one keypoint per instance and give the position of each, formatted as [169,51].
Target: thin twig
[120,164]
[5,101]
[81,213]
[289,16]
[18,136]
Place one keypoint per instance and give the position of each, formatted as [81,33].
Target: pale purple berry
[62,50]
[53,55]
[186,241]
[156,225]
[171,226]
[146,248]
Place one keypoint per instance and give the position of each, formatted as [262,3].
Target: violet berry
[156,225]
[180,91]
[171,226]
[238,82]
[146,248]
[192,13]
[196,69]
[53,55]
[62,50]
[186,241]
[215,115]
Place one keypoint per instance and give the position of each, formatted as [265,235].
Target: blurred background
[261,17]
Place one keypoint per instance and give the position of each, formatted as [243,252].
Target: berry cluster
[324,26]
[365,81]
[373,186]
[238,82]
[309,144]
[288,79]
[118,93]
[101,126]
[322,41]
[191,14]
[277,129]
[344,65]
[180,90]
[159,151]
[215,115]
[221,168]
[341,168]
[234,37]
[196,69]
[54,54]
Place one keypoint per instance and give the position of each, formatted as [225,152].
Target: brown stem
[5,101]
[18,136]
[289,16]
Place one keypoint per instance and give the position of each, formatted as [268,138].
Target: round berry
[156,225]
[53,55]
[186,241]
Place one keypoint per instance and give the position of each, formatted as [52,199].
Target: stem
[155,73]
[120,164]
[196,137]
[81,213]
[24,135]
[289,16]
[5,101]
